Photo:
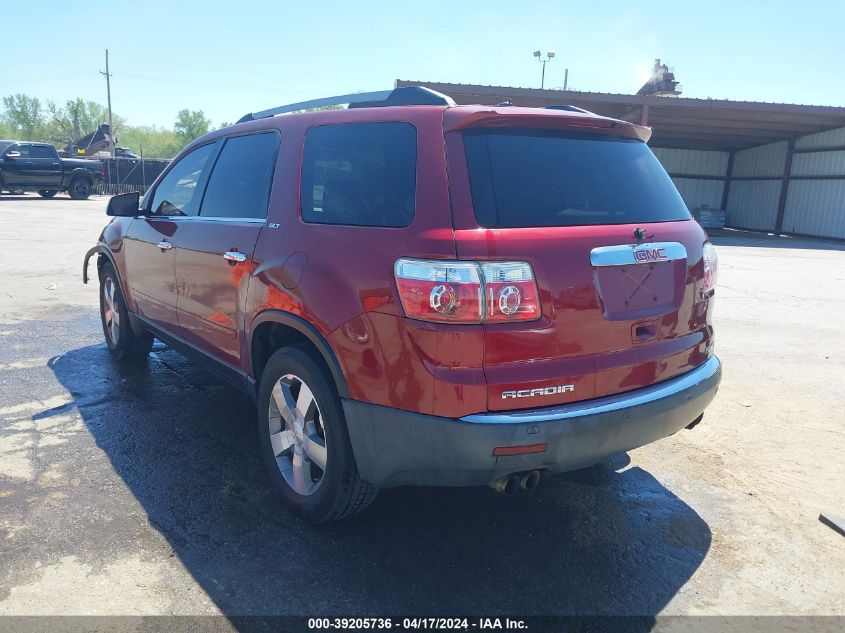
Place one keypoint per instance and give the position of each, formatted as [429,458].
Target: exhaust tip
[530,481]
[510,485]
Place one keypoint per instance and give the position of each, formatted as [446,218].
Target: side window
[177,193]
[24,149]
[239,185]
[361,174]
[41,151]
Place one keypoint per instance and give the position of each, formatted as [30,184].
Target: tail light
[711,264]
[467,292]
[102,169]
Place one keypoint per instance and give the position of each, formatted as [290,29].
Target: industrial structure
[772,167]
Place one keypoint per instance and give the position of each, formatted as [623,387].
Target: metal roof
[681,122]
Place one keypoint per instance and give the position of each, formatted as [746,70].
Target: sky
[230,58]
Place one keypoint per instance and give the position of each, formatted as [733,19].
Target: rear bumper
[394,447]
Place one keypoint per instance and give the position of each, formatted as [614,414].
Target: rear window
[360,174]
[524,178]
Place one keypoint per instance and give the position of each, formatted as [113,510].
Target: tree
[78,118]
[191,124]
[23,115]
[155,142]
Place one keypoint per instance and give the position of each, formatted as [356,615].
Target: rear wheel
[304,441]
[124,344]
[80,188]
[47,193]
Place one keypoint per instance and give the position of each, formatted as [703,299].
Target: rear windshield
[523,178]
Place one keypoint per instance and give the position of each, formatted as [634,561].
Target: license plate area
[639,281]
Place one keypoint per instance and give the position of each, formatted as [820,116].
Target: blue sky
[228,58]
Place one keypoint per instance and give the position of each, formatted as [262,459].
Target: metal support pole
[565,79]
[644,114]
[784,186]
[726,189]
[143,171]
[543,76]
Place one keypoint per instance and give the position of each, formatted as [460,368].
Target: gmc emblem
[650,255]
[542,391]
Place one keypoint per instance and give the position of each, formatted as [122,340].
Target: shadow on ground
[607,540]
[736,237]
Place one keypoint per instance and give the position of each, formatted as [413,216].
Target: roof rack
[568,108]
[408,95]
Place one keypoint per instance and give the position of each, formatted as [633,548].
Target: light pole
[549,56]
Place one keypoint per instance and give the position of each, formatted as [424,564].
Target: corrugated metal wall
[815,195]
[692,161]
[815,207]
[696,192]
[753,204]
[831,138]
[766,160]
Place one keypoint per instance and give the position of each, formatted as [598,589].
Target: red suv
[421,293]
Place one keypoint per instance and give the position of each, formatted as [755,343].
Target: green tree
[191,124]
[155,142]
[78,118]
[23,116]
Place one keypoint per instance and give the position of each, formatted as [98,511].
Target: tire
[293,450]
[47,193]
[80,188]
[123,343]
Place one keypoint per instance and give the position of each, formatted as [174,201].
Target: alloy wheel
[111,315]
[297,435]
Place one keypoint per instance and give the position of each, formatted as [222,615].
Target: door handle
[164,245]
[234,256]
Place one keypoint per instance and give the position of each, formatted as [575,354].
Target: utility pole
[565,79]
[107,75]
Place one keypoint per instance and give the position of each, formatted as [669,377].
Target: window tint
[522,178]
[360,173]
[239,186]
[41,151]
[177,193]
[23,149]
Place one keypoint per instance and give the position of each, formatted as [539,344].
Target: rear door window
[180,190]
[239,185]
[360,174]
[525,178]
[41,151]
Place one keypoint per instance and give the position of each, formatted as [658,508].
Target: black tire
[80,188]
[340,491]
[47,193]
[123,343]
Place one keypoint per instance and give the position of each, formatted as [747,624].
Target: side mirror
[124,205]
[13,154]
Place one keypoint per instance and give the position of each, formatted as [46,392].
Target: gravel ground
[141,492]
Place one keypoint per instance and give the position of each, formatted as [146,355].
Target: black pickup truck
[25,165]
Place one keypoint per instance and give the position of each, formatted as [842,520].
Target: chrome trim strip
[194,218]
[646,395]
[624,254]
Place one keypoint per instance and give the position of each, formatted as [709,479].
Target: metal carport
[773,167]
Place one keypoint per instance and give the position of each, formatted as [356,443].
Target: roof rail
[409,95]
[569,108]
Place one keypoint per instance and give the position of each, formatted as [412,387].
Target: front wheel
[79,189]
[47,193]
[124,344]
[304,441]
